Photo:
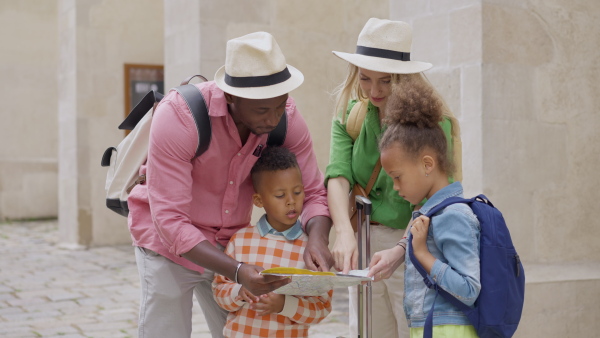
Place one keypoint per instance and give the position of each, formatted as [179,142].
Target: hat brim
[265,92]
[384,65]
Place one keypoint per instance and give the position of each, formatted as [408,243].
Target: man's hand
[255,283]
[269,303]
[317,256]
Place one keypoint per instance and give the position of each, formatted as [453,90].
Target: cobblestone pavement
[46,291]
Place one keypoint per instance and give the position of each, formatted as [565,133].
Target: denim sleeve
[456,234]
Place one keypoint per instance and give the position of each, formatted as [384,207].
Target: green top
[355,161]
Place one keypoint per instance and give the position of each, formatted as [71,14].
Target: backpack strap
[277,136]
[197,106]
[429,282]
[139,111]
[356,118]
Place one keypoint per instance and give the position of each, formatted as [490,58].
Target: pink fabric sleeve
[224,289]
[173,142]
[298,140]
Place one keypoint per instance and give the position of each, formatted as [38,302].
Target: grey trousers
[166,298]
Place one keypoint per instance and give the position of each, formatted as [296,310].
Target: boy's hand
[419,230]
[246,296]
[269,303]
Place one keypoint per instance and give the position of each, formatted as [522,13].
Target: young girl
[382,59]
[414,154]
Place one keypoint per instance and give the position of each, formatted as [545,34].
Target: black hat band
[383,53]
[257,81]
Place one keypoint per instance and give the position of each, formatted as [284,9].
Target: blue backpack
[497,310]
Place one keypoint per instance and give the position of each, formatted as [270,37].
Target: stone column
[72,233]
[95,42]
[449,35]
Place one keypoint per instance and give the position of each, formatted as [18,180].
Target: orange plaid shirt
[270,251]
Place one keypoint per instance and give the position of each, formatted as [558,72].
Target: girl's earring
[426,174]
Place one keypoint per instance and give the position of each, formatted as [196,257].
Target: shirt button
[239,154]
[230,182]
[217,238]
[378,193]
[226,211]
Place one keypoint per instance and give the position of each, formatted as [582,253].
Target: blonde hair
[350,90]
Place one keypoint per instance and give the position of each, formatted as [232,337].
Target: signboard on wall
[139,80]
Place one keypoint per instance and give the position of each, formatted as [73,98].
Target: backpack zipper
[518,261]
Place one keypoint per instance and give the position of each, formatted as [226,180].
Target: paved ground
[46,291]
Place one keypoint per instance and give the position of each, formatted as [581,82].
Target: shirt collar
[453,189]
[264,228]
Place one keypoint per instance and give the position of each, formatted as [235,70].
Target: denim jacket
[453,239]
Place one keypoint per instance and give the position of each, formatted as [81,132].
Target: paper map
[313,283]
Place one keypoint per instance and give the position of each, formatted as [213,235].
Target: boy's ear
[257,200]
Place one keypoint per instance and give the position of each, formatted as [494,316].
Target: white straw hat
[384,46]
[255,68]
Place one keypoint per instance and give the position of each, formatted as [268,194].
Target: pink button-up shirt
[185,202]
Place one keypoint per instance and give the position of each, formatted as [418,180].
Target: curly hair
[273,159]
[413,115]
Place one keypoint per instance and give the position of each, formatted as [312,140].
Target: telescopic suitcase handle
[363,206]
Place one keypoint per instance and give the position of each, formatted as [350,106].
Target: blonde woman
[381,60]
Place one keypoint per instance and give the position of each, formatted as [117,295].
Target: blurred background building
[522,77]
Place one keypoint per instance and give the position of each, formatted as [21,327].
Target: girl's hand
[269,303]
[419,230]
[345,252]
[246,296]
[385,262]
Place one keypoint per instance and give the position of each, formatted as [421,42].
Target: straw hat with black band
[255,68]
[384,46]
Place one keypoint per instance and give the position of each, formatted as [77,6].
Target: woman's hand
[345,252]
[385,262]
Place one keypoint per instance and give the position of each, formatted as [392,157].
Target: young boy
[276,240]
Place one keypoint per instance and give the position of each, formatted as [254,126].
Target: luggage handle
[363,205]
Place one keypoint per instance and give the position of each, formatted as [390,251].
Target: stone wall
[28,90]
[522,78]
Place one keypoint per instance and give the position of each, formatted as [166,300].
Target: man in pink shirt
[183,216]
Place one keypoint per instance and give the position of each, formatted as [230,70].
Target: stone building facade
[521,76]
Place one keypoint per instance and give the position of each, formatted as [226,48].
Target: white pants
[387,295]
[166,298]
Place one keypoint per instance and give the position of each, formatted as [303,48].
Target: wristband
[404,241]
[237,269]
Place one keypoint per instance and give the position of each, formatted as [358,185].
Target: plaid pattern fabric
[270,251]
